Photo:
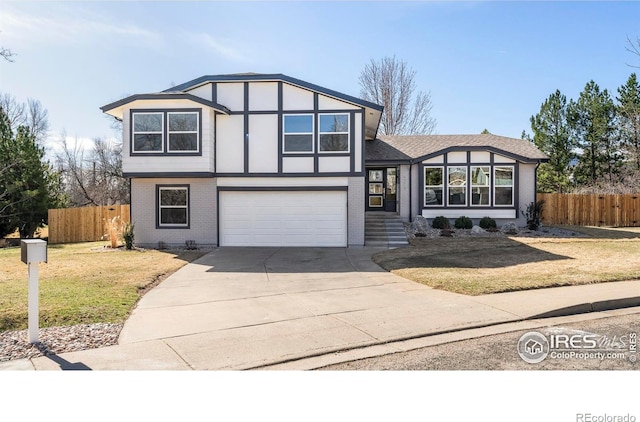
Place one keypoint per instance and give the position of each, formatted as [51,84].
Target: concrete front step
[384,230]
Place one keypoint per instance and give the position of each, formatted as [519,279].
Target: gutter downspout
[535,176]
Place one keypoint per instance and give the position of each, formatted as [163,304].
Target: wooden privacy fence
[85,224]
[591,210]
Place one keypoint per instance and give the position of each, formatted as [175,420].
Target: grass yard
[83,283]
[482,265]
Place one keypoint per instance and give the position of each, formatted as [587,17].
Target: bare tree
[37,120]
[69,163]
[391,83]
[32,115]
[93,178]
[14,110]
[633,48]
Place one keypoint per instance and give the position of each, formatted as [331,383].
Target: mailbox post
[32,252]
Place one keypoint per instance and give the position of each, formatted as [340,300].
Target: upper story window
[334,133]
[503,189]
[165,132]
[148,133]
[183,132]
[298,133]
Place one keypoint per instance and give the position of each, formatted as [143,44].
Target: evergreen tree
[629,119]
[551,134]
[28,185]
[593,122]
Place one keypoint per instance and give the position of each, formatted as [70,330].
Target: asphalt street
[613,336]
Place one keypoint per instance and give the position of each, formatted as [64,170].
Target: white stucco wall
[230,144]
[416,198]
[526,186]
[294,98]
[263,143]
[263,96]
[404,192]
[231,95]
[203,91]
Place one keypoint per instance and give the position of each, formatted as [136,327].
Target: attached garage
[283,218]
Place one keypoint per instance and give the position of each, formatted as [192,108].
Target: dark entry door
[382,189]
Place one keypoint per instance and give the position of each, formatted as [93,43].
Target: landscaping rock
[509,228]
[419,224]
[55,340]
[477,230]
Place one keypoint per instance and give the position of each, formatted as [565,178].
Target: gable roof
[112,107]
[416,148]
[266,77]
[372,111]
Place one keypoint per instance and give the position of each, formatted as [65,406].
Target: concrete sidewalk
[301,308]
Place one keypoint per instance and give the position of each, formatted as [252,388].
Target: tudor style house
[270,160]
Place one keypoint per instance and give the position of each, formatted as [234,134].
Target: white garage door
[283,218]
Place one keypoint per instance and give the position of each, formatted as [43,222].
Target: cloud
[73,24]
[218,46]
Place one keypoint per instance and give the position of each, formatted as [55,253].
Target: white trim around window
[433,192]
[298,129]
[172,206]
[333,133]
[186,132]
[503,186]
[147,132]
[457,186]
[480,183]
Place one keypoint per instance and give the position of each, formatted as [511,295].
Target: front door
[382,189]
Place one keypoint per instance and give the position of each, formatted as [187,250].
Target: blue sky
[487,64]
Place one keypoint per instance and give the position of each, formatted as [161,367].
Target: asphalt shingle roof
[412,147]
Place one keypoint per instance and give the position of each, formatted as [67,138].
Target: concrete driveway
[239,308]
[305,308]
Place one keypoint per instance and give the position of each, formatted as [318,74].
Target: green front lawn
[83,283]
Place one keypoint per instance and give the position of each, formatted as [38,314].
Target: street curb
[585,308]
[581,309]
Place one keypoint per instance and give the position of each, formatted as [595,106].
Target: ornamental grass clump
[113,229]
